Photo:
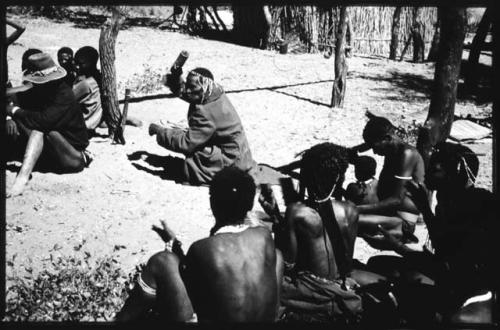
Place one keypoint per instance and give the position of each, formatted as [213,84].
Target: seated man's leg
[160,285]
[70,159]
[34,148]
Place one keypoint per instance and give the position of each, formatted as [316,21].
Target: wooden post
[396,23]
[107,40]
[441,110]
[338,91]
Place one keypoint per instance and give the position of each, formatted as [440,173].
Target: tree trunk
[441,110]
[251,25]
[471,77]
[396,23]
[405,48]
[349,37]
[107,39]
[435,41]
[418,41]
[338,91]
[191,21]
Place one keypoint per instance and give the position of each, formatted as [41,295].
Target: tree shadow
[410,85]
[88,20]
[407,85]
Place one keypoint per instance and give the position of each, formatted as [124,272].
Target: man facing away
[395,211]
[234,275]
[215,137]
[316,237]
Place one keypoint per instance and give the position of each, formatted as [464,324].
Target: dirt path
[109,208]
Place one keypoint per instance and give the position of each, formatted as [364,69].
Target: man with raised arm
[215,137]
[234,275]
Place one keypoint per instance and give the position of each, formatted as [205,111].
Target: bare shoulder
[411,153]
[345,210]
[301,211]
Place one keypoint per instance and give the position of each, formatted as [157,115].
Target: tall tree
[441,110]
[339,83]
[107,40]
[471,77]
[396,23]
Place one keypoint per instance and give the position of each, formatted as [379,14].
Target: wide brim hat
[42,69]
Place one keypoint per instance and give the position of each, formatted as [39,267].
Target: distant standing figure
[364,190]
[86,88]
[215,138]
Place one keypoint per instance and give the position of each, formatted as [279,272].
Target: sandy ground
[108,209]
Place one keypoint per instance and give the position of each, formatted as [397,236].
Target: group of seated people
[291,265]
[298,265]
[50,115]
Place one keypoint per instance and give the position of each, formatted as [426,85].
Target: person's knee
[163,261]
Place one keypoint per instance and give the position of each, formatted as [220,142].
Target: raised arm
[19,29]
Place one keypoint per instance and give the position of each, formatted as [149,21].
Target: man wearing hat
[215,137]
[52,119]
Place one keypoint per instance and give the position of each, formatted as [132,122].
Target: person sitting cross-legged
[215,137]
[234,275]
[52,121]
[394,210]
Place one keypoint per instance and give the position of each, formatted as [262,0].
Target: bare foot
[18,187]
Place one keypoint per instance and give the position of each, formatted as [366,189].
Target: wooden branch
[214,21]
[221,22]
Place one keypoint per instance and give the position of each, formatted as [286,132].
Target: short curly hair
[232,193]
[322,165]
[89,53]
[365,167]
[376,128]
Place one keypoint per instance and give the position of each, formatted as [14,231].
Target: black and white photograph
[237,163]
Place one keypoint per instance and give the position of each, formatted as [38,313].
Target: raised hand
[165,233]
[11,128]
[268,201]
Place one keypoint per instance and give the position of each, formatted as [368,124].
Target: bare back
[232,277]
[315,251]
